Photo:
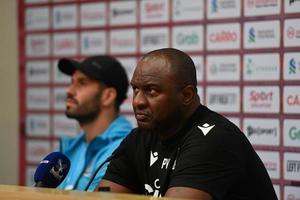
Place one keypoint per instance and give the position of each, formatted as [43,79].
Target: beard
[86,111]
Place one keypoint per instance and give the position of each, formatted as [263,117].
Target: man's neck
[168,134]
[98,126]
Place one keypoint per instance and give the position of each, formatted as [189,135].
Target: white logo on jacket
[205,128]
[153,157]
[154,191]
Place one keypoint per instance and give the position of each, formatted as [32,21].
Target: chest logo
[205,128]
[153,157]
[153,191]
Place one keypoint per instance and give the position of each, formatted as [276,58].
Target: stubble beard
[85,113]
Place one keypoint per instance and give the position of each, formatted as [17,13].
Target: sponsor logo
[154,39]
[293,166]
[58,170]
[261,99]
[165,163]
[223,68]
[266,34]
[293,33]
[92,15]
[37,18]
[205,128]
[271,166]
[220,36]
[154,9]
[216,5]
[293,100]
[38,98]
[261,7]
[187,39]
[38,45]
[260,34]
[250,67]
[124,42]
[153,191]
[292,66]
[251,35]
[223,8]
[223,99]
[261,131]
[291,133]
[63,16]
[37,124]
[65,44]
[223,36]
[261,3]
[118,12]
[37,71]
[90,42]
[153,157]
[294,133]
[181,8]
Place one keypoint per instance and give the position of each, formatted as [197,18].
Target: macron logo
[153,157]
[205,128]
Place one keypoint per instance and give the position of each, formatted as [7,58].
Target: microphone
[52,170]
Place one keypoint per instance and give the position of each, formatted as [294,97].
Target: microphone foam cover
[52,170]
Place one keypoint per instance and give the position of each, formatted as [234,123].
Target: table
[14,192]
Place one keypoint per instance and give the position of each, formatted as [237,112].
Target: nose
[139,100]
[70,90]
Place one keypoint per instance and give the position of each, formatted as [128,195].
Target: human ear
[108,96]
[188,93]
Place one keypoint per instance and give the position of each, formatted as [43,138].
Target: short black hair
[180,63]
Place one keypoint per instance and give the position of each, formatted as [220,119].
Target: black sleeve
[209,163]
[121,169]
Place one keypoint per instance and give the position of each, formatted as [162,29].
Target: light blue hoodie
[85,158]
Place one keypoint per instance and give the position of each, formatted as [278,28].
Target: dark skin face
[156,102]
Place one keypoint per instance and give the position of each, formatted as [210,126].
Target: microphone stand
[96,172]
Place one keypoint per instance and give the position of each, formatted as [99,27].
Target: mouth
[142,116]
[70,102]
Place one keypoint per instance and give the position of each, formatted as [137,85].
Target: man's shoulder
[119,128]
[213,128]
[217,121]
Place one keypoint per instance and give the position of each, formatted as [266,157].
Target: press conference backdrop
[247,55]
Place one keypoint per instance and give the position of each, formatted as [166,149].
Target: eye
[82,82]
[134,89]
[152,91]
